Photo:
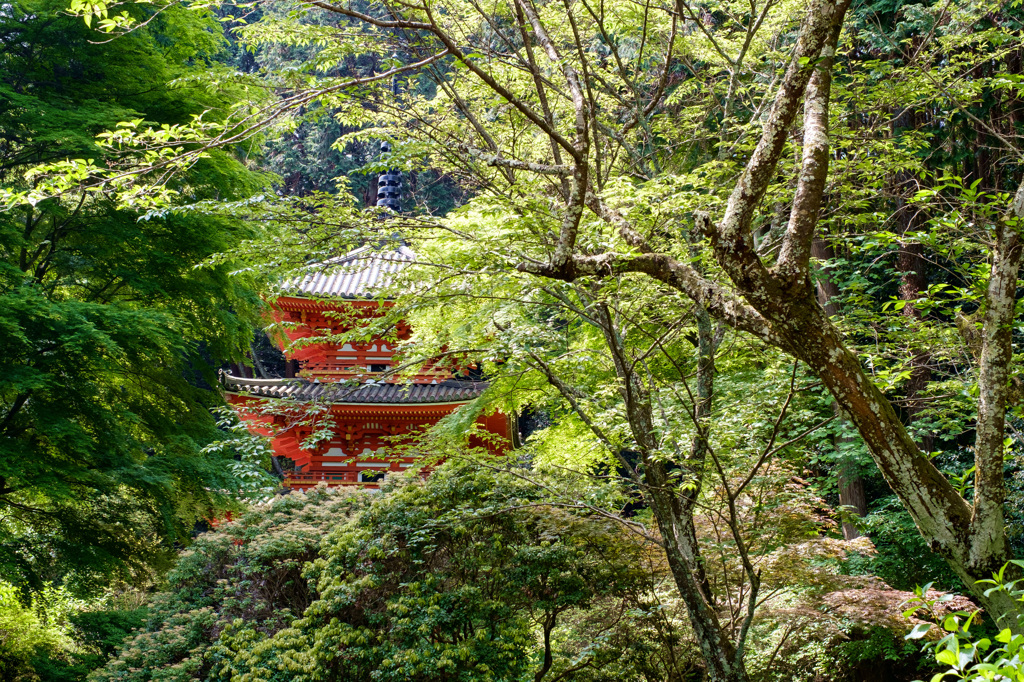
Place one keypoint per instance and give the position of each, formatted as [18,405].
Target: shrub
[249,570]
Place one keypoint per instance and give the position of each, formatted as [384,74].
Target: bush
[902,558]
[963,647]
[466,576]
[97,634]
[246,571]
[475,575]
[22,635]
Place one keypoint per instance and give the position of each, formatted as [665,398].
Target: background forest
[746,271]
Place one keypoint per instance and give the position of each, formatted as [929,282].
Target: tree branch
[733,241]
[793,266]
[514,164]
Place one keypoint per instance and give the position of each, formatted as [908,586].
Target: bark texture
[673,505]
[971,537]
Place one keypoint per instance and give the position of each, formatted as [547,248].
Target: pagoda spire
[389,183]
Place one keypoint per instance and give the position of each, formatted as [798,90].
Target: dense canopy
[746,272]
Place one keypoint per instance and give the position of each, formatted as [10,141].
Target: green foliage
[881,647]
[22,635]
[901,558]
[918,108]
[93,638]
[458,578]
[967,647]
[246,571]
[110,335]
[58,637]
[470,575]
[473,574]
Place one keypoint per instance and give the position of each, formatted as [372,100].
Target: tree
[600,155]
[109,334]
[576,108]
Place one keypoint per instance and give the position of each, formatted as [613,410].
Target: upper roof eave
[353,276]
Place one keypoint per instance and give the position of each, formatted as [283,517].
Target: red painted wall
[358,430]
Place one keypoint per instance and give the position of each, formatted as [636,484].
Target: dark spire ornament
[389,185]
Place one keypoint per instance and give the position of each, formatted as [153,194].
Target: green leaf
[919,631]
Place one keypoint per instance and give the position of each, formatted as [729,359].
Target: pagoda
[352,386]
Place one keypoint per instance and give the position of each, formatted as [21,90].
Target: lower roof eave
[352,404]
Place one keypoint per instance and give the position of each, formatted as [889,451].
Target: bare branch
[514,164]
[733,241]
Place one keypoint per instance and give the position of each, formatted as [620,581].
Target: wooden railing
[331,479]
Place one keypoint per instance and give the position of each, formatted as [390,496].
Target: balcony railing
[331,479]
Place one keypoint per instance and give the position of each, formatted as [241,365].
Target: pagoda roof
[357,274]
[442,392]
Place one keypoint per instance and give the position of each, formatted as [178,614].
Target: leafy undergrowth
[459,578]
[60,637]
[474,576]
[249,570]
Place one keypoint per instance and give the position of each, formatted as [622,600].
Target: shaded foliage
[109,334]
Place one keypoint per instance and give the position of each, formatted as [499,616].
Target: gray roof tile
[449,391]
[357,274]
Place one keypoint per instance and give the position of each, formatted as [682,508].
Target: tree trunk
[673,508]
[686,564]
[911,265]
[851,490]
[972,540]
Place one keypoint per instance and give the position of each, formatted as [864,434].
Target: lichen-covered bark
[673,504]
[987,549]
[778,305]
[794,256]
[733,240]
[971,539]
[927,494]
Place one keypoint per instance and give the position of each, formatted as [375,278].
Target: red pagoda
[352,385]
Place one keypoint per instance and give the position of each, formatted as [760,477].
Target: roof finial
[389,183]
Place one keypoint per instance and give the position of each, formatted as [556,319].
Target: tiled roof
[355,275]
[449,391]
